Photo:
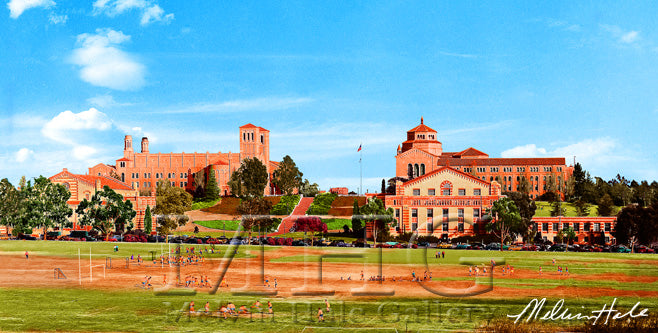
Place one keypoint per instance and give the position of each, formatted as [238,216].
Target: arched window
[415,170]
[422,169]
[410,171]
[446,188]
[123,177]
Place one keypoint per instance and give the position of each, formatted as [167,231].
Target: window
[445,213]
[445,226]
[586,227]
[477,191]
[460,227]
[122,164]
[556,227]
[446,188]
[462,191]
[493,169]
[414,226]
[597,227]
[460,214]
[476,213]
[430,227]
[414,212]
[576,227]
[607,227]
[262,138]
[430,212]
[416,191]
[182,184]
[544,227]
[431,192]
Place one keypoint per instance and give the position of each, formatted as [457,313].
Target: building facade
[422,153]
[84,186]
[142,170]
[445,203]
[588,229]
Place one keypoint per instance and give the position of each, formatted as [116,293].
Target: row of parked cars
[548,247]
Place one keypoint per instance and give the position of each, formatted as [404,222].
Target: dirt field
[16,271]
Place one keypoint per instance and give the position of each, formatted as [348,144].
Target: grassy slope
[544,209]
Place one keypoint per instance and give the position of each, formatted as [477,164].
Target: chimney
[145,145]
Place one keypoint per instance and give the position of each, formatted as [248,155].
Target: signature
[557,313]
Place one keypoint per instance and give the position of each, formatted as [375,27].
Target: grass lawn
[337,224]
[544,209]
[204,204]
[220,224]
[143,311]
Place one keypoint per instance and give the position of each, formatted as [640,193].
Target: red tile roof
[422,128]
[501,161]
[113,183]
[446,168]
[470,152]
[123,159]
[250,125]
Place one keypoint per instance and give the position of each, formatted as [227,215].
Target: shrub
[321,204]
[285,205]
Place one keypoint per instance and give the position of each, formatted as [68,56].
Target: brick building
[423,153]
[142,170]
[84,186]
[445,203]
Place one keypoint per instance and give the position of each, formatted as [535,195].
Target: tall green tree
[582,208]
[357,222]
[505,220]
[171,203]
[211,190]
[11,204]
[383,190]
[106,210]
[309,190]
[255,214]
[287,176]
[636,224]
[200,184]
[527,208]
[250,180]
[579,177]
[46,204]
[605,206]
[375,212]
[148,221]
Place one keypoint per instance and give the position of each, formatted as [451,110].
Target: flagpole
[360,170]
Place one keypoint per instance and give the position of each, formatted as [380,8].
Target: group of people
[230,310]
[194,282]
[440,255]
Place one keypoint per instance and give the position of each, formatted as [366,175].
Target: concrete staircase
[289,221]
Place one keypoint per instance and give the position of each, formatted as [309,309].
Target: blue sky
[512,79]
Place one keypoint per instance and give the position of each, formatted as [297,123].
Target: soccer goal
[58,274]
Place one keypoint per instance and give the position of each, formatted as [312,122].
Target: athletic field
[78,286]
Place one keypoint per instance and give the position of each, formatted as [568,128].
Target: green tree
[556,207]
[200,184]
[568,235]
[148,220]
[11,204]
[524,185]
[212,190]
[250,179]
[287,176]
[579,178]
[582,208]
[309,190]
[527,208]
[383,190]
[106,210]
[375,212]
[171,203]
[255,214]
[636,224]
[46,204]
[605,206]
[357,222]
[505,219]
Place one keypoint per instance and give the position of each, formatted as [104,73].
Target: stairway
[289,221]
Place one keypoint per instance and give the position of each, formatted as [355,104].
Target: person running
[191,306]
[539,270]
[361,275]
[27,255]
[269,307]
[326,302]
[275,283]
[207,308]
[320,315]
[470,270]
[256,305]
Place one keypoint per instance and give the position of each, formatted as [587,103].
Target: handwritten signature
[557,313]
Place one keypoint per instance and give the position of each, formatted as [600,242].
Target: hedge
[321,204]
[286,202]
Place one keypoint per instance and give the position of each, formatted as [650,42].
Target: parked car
[557,248]
[644,249]
[529,247]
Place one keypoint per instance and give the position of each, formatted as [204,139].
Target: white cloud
[587,149]
[105,65]
[105,101]
[458,55]
[60,127]
[17,7]
[23,155]
[620,35]
[529,150]
[630,37]
[57,19]
[84,152]
[149,10]
[257,104]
